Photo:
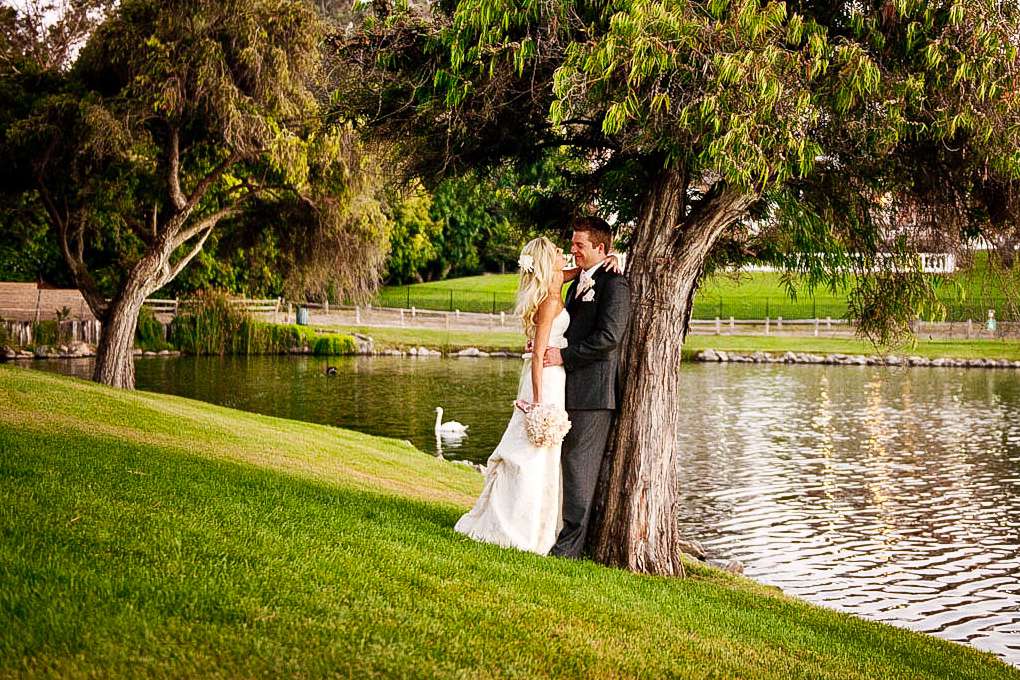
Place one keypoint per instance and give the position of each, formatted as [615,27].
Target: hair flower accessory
[526,263]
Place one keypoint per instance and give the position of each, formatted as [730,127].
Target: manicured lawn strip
[932,349]
[754,295]
[125,553]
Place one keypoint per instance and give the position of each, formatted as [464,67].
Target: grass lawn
[968,294]
[147,535]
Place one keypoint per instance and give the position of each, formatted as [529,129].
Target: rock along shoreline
[719,356]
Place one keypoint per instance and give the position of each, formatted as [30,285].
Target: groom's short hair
[598,230]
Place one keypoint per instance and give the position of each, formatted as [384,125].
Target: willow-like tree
[714,129]
[175,118]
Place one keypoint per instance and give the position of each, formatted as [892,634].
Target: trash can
[302,316]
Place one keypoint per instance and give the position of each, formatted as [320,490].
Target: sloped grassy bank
[146,535]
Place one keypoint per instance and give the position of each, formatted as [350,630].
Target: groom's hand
[552,357]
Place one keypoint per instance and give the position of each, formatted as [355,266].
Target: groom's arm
[609,328]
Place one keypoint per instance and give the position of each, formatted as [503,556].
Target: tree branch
[177,198]
[204,227]
[208,222]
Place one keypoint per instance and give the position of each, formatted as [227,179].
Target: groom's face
[585,254]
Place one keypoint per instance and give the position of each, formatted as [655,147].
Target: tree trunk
[115,364]
[635,523]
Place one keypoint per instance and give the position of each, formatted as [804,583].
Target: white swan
[452,429]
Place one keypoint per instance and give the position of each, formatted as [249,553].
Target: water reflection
[890,493]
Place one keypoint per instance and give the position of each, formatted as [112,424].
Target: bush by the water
[334,345]
[46,333]
[150,335]
[214,325]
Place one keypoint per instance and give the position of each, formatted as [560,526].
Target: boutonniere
[589,296]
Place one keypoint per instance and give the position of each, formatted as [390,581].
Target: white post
[779,323]
[458,314]
[828,323]
[733,326]
[767,323]
[357,314]
[447,316]
[718,326]
[970,328]
[816,327]
[402,316]
[414,312]
[502,319]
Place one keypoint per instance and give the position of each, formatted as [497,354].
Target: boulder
[693,548]
[80,349]
[25,354]
[412,352]
[723,356]
[732,566]
[791,358]
[149,353]
[893,360]
[477,467]
[759,357]
[363,344]
[918,361]
[8,353]
[938,362]
[164,352]
[472,352]
[706,355]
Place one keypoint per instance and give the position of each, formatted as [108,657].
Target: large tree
[178,117]
[712,129]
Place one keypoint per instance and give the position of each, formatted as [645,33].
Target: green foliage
[414,237]
[818,133]
[211,324]
[46,333]
[333,344]
[150,334]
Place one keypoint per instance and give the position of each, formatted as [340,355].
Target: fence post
[828,323]
[458,314]
[718,326]
[767,322]
[447,322]
[357,314]
[779,323]
[816,326]
[414,312]
[326,306]
[970,328]
[502,319]
[402,317]
[733,326]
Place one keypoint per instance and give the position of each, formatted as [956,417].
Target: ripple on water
[887,494]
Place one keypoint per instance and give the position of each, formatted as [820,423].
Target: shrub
[333,344]
[150,335]
[213,325]
[46,333]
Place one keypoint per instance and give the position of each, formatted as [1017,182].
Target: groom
[598,301]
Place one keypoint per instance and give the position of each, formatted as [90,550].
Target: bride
[521,500]
[520,503]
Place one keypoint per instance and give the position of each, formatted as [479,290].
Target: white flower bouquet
[546,425]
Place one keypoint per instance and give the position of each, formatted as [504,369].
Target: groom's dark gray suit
[591,360]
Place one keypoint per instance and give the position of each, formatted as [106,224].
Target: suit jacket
[592,355]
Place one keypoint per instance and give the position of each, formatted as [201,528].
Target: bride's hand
[525,406]
[613,263]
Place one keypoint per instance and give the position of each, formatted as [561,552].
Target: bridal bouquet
[546,425]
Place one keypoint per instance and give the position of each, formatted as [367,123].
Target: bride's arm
[543,325]
[613,264]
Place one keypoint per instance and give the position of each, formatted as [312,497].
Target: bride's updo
[538,267]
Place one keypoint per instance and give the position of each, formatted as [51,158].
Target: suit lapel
[571,290]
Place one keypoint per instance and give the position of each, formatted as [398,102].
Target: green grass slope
[146,535]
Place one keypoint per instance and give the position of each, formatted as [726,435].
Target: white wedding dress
[520,502]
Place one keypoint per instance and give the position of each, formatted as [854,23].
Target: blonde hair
[533,287]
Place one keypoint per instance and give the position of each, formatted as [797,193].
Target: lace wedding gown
[520,503]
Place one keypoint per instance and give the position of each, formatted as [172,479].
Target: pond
[893,494]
